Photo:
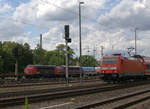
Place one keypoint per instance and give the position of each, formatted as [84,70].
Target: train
[58,71]
[40,70]
[118,68]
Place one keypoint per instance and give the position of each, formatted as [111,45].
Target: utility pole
[40,49]
[102,48]
[88,50]
[135,41]
[67,75]
[80,46]
[112,47]
[16,54]
[58,55]
[16,68]
[94,54]
[88,56]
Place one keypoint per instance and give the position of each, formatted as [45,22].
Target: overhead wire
[72,12]
[69,11]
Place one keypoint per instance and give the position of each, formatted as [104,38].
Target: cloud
[52,38]
[55,11]
[55,14]
[10,29]
[99,26]
[5,8]
[127,14]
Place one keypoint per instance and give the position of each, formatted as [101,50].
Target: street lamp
[80,58]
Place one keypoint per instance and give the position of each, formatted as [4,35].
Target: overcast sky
[108,23]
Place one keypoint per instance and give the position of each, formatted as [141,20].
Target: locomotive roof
[134,56]
[69,66]
[39,66]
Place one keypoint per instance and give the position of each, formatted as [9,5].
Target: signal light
[69,40]
[66,32]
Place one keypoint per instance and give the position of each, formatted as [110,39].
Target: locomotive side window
[110,60]
[135,59]
[147,66]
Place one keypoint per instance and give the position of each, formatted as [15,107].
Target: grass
[26,106]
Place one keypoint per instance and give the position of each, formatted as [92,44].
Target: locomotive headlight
[113,68]
[104,68]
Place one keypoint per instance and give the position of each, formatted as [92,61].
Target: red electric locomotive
[114,68]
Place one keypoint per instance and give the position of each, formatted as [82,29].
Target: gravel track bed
[70,103]
[142,105]
[15,89]
[120,102]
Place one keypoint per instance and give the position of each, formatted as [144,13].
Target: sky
[107,23]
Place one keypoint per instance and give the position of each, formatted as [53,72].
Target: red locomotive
[116,68]
[50,71]
[40,70]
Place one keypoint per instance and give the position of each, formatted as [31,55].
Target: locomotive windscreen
[109,60]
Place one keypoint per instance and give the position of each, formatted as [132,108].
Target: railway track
[61,93]
[40,83]
[120,102]
[50,90]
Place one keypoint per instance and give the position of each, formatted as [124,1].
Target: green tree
[26,56]
[36,55]
[51,58]
[1,60]
[1,64]
[57,56]
[89,61]
[8,56]
[61,50]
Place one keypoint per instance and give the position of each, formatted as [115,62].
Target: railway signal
[67,34]
[68,40]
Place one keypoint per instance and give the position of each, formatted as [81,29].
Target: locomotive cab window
[110,60]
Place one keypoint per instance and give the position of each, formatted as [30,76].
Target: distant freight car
[97,69]
[116,68]
[40,71]
[89,71]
